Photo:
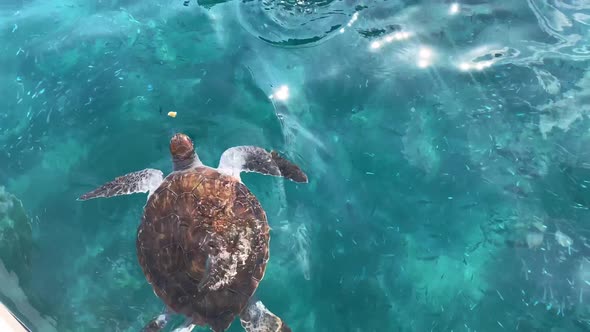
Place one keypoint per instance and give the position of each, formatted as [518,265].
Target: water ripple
[294,23]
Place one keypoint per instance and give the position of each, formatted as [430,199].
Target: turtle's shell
[203,245]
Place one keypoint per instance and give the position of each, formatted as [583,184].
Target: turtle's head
[183,152]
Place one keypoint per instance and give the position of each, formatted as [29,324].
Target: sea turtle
[203,241]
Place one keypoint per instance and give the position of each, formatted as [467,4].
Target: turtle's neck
[186,163]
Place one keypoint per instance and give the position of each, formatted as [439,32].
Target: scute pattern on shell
[203,245]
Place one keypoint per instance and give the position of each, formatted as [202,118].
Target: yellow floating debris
[172,114]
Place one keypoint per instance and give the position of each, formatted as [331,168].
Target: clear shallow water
[446,148]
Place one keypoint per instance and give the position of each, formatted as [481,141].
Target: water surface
[446,146]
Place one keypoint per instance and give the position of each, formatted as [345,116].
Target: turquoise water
[446,146]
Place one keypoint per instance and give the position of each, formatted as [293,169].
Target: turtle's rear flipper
[186,327]
[143,181]
[157,324]
[255,159]
[256,318]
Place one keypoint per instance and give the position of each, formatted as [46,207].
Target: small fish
[428,258]
[172,114]
[470,205]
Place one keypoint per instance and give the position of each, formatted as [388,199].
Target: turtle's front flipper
[146,180]
[256,318]
[255,159]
